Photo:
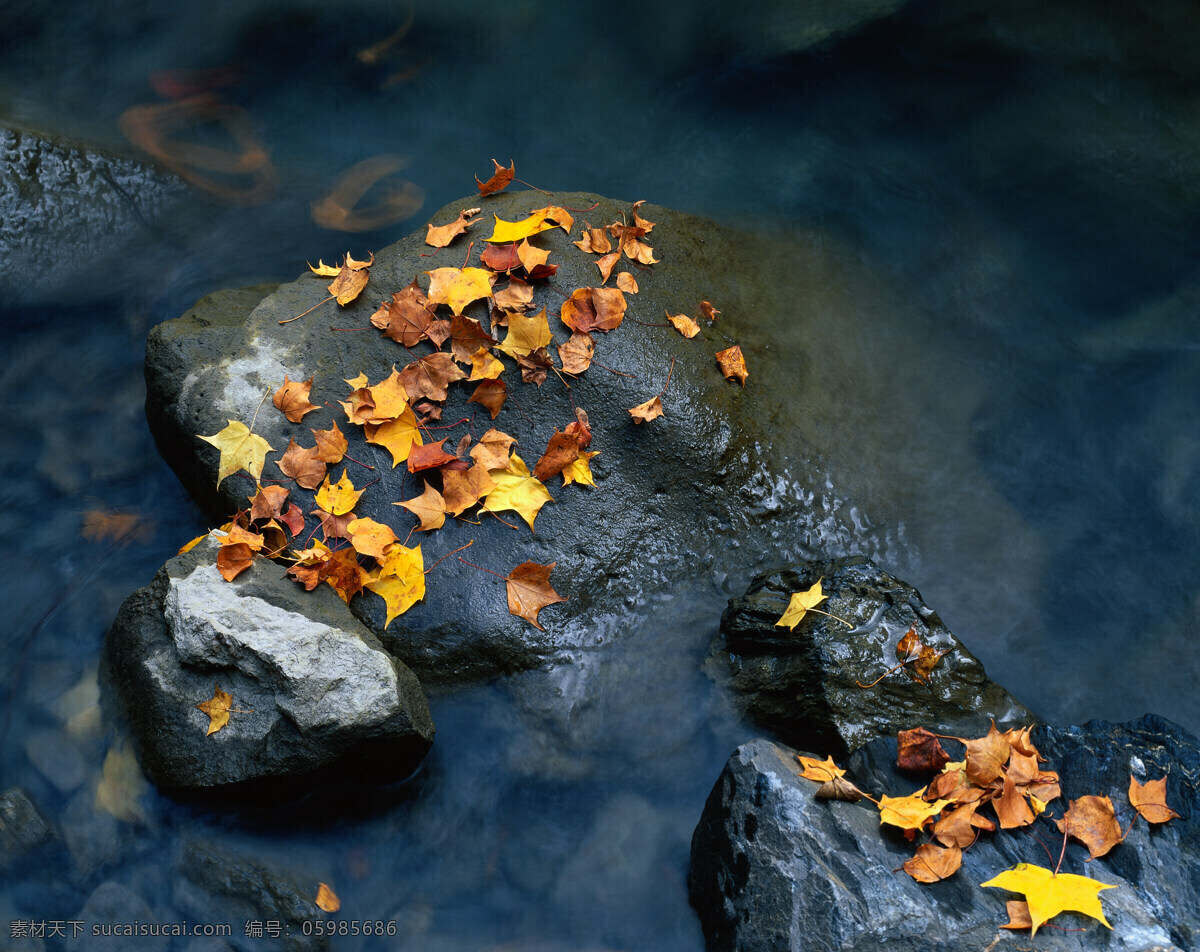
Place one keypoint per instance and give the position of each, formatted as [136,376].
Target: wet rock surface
[774,868]
[804,683]
[22,828]
[671,496]
[313,688]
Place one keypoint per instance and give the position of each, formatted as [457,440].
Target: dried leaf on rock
[1018,915]
[239,535]
[581,429]
[529,590]
[934,863]
[733,364]
[526,334]
[1012,809]
[217,708]
[292,399]
[334,527]
[429,456]
[957,828]
[684,324]
[518,296]
[517,490]
[499,181]
[327,899]
[606,265]
[370,537]
[349,281]
[986,757]
[397,436]
[1150,800]
[909,813]
[818,770]
[429,507]
[400,581]
[467,338]
[534,365]
[240,450]
[407,318]
[233,560]
[504,231]
[799,604]
[839,788]
[458,287]
[652,409]
[441,235]
[1048,894]
[490,394]
[340,498]
[532,258]
[484,366]
[430,377]
[580,471]
[464,488]
[331,445]
[627,282]
[593,309]
[501,258]
[293,519]
[267,502]
[561,451]
[558,216]
[343,573]
[920,751]
[492,450]
[707,311]
[1093,821]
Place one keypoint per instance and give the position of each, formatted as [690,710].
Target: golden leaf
[1048,894]
[799,604]
[240,450]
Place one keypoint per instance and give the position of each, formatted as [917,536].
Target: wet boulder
[685,496]
[774,868]
[311,689]
[806,683]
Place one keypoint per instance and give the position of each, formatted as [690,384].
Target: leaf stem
[332,297]
[481,568]
[448,554]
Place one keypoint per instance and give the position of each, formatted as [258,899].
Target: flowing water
[1009,197]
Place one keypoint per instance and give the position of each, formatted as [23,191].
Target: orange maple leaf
[1150,800]
[292,399]
[499,181]
[529,591]
[442,235]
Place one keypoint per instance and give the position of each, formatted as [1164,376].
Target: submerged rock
[805,683]
[22,828]
[773,868]
[687,493]
[313,688]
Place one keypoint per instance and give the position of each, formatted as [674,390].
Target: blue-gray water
[1011,196]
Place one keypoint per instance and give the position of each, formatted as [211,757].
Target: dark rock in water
[214,885]
[318,688]
[680,495]
[21,827]
[804,683]
[774,868]
[65,212]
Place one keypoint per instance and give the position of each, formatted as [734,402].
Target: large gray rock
[691,492]
[773,868]
[318,689]
[68,214]
[804,683]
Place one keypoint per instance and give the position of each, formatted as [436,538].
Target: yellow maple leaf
[369,537]
[1048,894]
[819,770]
[484,366]
[340,499]
[517,489]
[327,899]
[398,436]
[400,580]
[580,471]
[240,449]
[458,287]
[505,231]
[908,813]
[429,507]
[526,333]
[799,605]
[217,708]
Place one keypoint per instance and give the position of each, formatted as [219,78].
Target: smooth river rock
[775,869]
[697,494]
[311,687]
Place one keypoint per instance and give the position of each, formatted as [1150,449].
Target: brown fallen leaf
[920,751]
[331,445]
[218,709]
[429,507]
[652,409]
[233,560]
[302,464]
[576,353]
[733,364]
[593,309]
[1150,800]
[1093,821]
[441,235]
[707,311]
[490,394]
[627,282]
[561,451]
[839,788]
[292,399]
[529,591]
[934,863]
[684,324]
[327,899]
[500,180]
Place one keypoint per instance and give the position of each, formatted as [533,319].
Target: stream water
[1011,424]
